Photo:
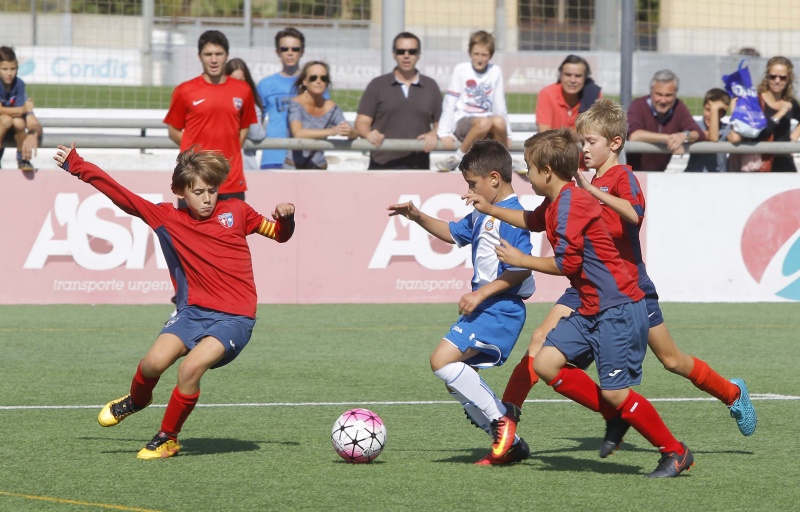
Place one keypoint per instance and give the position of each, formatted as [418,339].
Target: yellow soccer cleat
[160,447]
[117,410]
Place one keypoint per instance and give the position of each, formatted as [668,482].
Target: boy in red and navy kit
[210,265]
[214,111]
[610,325]
[602,129]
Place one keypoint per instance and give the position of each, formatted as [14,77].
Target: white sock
[460,154]
[466,381]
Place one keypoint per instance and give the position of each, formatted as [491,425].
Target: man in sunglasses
[403,104]
[661,118]
[277,92]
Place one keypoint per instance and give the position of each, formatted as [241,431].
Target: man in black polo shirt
[403,104]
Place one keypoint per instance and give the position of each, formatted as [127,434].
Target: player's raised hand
[509,254]
[62,154]
[283,210]
[407,210]
[478,202]
[581,180]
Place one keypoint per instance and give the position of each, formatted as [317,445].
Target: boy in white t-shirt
[474,107]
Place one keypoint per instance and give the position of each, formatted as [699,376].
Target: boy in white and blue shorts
[493,313]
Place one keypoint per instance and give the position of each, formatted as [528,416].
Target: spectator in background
[403,104]
[661,118]
[276,93]
[214,112]
[559,104]
[474,107]
[311,116]
[776,95]
[236,68]
[715,106]
[17,121]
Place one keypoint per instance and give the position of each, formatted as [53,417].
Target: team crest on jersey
[237,103]
[226,219]
[489,225]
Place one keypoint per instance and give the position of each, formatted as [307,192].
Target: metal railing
[150,141]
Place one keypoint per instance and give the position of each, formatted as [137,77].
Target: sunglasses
[782,78]
[402,51]
[295,49]
[314,78]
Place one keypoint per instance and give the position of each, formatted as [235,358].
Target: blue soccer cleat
[742,410]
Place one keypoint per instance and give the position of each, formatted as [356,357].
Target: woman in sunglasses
[312,116]
[777,98]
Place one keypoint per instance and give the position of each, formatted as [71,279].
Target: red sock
[522,380]
[642,416]
[178,409]
[706,379]
[576,385]
[142,388]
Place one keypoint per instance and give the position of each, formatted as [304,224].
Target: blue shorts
[193,323]
[572,300]
[616,338]
[493,329]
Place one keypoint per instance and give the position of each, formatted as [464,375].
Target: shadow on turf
[211,445]
[553,463]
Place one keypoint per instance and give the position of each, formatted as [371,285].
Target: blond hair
[606,118]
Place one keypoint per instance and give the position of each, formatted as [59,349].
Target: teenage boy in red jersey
[210,264]
[214,111]
[610,325]
[602,129]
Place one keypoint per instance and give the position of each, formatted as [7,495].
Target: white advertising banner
[79,65]
[724,238]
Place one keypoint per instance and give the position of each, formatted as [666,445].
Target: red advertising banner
[66,243]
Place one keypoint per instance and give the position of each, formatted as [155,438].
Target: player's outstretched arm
[438,228]
[510,255]
[514,217]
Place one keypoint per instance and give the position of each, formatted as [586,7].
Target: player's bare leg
[733,393]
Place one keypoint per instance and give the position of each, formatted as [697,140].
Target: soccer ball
[358,436]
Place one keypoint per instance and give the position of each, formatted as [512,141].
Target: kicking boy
[493,313]
[602,129]
[210,264]
[610,324]
[17,121]
[474,107]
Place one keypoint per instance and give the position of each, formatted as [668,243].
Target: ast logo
[771,244]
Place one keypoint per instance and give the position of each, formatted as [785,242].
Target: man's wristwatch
[688,134]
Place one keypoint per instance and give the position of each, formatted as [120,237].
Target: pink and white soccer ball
[358,436]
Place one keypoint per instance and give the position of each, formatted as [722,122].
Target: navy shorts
[654,315]
[616,339]
[193,323]
[493,329]
[572,300]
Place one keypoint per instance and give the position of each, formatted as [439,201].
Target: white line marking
[753,397]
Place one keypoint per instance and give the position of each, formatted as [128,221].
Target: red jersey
[619,181]
[209,260]
[584,251]
[211,116]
